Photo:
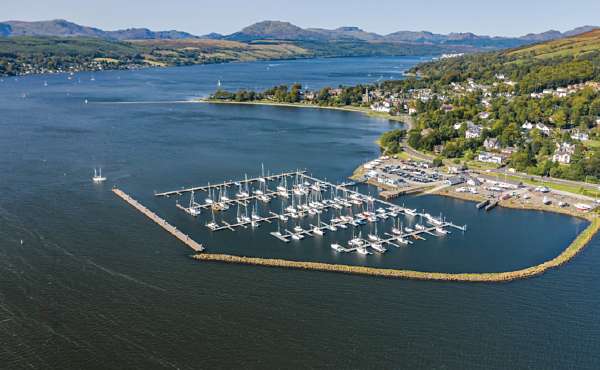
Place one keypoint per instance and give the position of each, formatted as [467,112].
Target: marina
[303,206]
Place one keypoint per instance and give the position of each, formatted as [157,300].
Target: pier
[226,184]
[196,247]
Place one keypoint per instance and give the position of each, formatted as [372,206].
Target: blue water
[97,285]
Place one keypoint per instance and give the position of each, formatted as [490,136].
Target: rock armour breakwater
[571,251]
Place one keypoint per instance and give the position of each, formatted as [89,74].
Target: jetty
[196,247]
[491,205]
[226,184]
[482,204]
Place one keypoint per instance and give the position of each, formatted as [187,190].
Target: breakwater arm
[571,251]
[161,222]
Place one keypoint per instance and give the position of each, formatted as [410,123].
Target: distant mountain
[579,30]
[275,30]
[213,36]
[347,33]
[146,34]
[285,31]
[57,27]
[62,28]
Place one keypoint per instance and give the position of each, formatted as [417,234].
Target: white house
[527,126]
[491,143]
[581,136]
[473,132]
[563,153]
[490,158]
[384,107]
[565,147]
[543,128]
[561,157]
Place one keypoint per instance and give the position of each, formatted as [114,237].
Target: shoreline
[405,119]
[573,249]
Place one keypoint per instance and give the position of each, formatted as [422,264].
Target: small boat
[362,250]
[98,176]
[401,240]
[378,247]
[409,230]
[317,231]
[336,247]
[411,212]
[546,201]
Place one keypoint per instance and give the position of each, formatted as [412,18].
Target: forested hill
[533,68]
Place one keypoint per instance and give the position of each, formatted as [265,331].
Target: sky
[501,18]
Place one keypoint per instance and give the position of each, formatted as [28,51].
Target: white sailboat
[98,176]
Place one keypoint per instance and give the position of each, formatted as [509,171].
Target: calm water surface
[97,285]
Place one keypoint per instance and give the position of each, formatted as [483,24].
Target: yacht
[362,250]
[378,247]
[441,230]
[336,247]
[401,240]
[411,212]
[98,176]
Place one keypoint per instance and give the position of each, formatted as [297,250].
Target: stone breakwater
[571,251]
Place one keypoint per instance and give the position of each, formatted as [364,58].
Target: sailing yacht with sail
[98,178]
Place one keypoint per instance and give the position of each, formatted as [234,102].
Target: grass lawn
[562,187]
[482,165]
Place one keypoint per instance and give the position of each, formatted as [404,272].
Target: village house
[563,153]
[484,115]
[335,92]
[543,129]
[561,92]
[383,107]
[491,143]
[490,158]
[527,126]
[473,132]
[561,157]
[310,95]
[578,135]
[508,151]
